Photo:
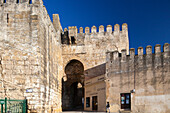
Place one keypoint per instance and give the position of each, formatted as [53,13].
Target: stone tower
[30,55]
[86,51]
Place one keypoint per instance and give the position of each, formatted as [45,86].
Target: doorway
[125,99]
[94,103]
[73,87]
[76,96]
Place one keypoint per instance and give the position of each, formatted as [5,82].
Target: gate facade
[13,106]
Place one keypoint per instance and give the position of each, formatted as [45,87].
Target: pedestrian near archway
[107,107]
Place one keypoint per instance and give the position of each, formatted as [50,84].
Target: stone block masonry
[32,49]
[90,48]
[28,56]
[144,76]
[41,62]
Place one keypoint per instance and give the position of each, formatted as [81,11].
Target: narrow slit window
[7,18]
[4,1]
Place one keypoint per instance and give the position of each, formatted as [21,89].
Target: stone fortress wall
[34,53]
[30,55]
[147,73]
[90,48]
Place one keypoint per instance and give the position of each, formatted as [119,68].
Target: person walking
[107,107]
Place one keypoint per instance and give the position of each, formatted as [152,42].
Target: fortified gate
[84,56]
[52,70]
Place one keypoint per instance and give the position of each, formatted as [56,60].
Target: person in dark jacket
[107,107]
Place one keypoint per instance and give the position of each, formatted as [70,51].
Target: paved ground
[92,112]
[81,112]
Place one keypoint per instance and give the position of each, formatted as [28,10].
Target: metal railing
[13,106]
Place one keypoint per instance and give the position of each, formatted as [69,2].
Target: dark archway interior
[73,88]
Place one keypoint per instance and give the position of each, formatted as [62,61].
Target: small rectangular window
[87,101]
[125,100]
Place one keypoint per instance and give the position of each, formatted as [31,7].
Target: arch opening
[73,87]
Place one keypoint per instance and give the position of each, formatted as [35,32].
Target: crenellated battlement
[20,5]
[101,29]
[20,1]
[83,36]
[157,52]
[122,62]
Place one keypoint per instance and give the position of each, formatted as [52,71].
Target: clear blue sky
[148,20]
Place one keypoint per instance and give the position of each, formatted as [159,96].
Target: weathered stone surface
[30,56]
[36,54]
[90,48]
[147,74]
